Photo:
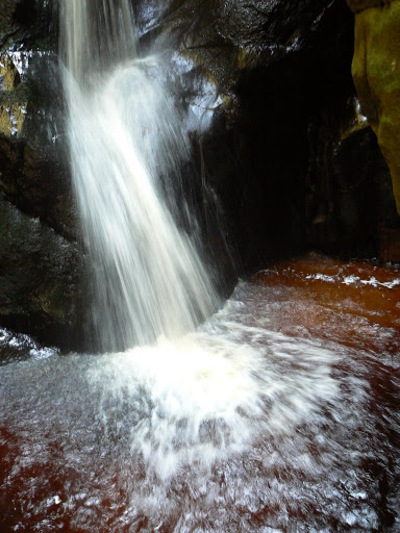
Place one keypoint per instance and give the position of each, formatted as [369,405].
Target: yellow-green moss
[9,75]
[376,73]
[12,118]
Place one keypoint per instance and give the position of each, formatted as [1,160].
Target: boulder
[376,73]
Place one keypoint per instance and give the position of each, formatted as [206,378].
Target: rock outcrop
[287,112]
[376,73]
[40,265]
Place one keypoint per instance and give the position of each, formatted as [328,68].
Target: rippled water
[281,413]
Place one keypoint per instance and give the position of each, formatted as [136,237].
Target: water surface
[278,414]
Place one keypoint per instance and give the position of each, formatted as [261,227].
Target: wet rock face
[39,260]
[227,36]
[286,106]
[28,24]
[33,152]
[376,72]
[38,283]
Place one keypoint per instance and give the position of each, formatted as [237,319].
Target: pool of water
[279,414]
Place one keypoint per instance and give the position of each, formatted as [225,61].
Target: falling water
[127,145]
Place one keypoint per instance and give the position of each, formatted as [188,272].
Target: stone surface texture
[40,265]
[376,73]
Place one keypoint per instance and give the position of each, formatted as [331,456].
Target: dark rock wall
[287,149]
[40,265]
[280,141]
[281,154]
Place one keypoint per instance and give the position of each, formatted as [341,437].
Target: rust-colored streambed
[280,414]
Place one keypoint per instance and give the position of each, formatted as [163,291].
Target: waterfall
[278,413]
[127,146]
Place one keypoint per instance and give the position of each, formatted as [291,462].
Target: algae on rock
[376,74]
[12,106]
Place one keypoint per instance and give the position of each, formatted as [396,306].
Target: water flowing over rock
[287,113]
[271,116]
[280,413]
[127,145]
[277,412]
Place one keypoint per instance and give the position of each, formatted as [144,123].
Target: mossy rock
[9,75]
[376,73]
[359,5]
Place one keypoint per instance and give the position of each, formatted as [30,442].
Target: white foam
[213,395]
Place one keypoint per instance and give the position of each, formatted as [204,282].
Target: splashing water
[190,398]
[126,143]
[280,413]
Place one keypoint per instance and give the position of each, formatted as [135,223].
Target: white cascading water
[205,386]
[126,142]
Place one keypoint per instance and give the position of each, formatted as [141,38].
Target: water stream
[280,413]
[127,147]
